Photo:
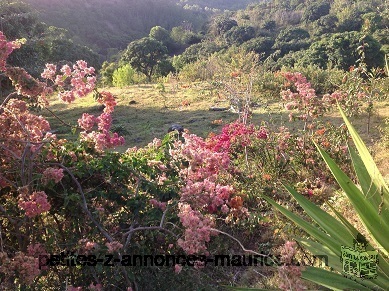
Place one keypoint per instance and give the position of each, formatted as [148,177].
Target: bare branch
[59,119]
[241,245]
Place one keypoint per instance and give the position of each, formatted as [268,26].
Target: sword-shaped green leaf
[331,280]
[328,223]
[320,251]
[378,191]
[373,222]
[312,230]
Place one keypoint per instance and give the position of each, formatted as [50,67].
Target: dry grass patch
[148,110]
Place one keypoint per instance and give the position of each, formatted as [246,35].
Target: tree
[198,50]
[239,34]
[269,25]
[259,45]
[222,24]
[106,73]
[350,20]
[315,11]
[18,20]
[326,24]
[292,39]
[159,33]
[341,51]
[123,76]
[144,55]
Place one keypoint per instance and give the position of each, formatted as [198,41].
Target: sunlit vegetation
[197,125]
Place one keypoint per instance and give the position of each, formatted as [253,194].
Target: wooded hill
[333,33]
[108,26]
[325,33]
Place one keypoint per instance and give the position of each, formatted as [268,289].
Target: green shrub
[123,76]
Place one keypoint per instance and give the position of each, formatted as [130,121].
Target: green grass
[153,112]
[188,104]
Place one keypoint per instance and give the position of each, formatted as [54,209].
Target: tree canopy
[144,55]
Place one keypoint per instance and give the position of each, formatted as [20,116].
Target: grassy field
[147,111]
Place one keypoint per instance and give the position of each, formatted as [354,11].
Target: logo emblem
[357,261]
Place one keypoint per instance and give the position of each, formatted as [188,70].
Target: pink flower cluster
[113,246]
[19,125]
[177,268]
[34,204]
[108,100]
[197,230]
[25,84]
[290,275]
[87,246]
[74,82]
[304,101]
[238,134]
[158,204]
[350,102]
[87,121]
[288,251]
[55,174]
[202,194]
[102,138]
[6,48]
[204,161]
[207,195]
[27,267]
[36,250]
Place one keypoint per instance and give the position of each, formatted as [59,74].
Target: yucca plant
[370,201]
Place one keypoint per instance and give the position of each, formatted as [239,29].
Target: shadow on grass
[140,115]
[140,125]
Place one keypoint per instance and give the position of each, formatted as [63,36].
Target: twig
[241,245]
[12,95]
[163,216]
[57,117]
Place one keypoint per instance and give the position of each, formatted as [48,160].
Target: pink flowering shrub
[236,134]
[303,104]
[31,156]
[26,268]
[203,194]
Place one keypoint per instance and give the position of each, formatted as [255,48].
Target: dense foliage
[287,34]
[284,33]
[43,43]
[108,27]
